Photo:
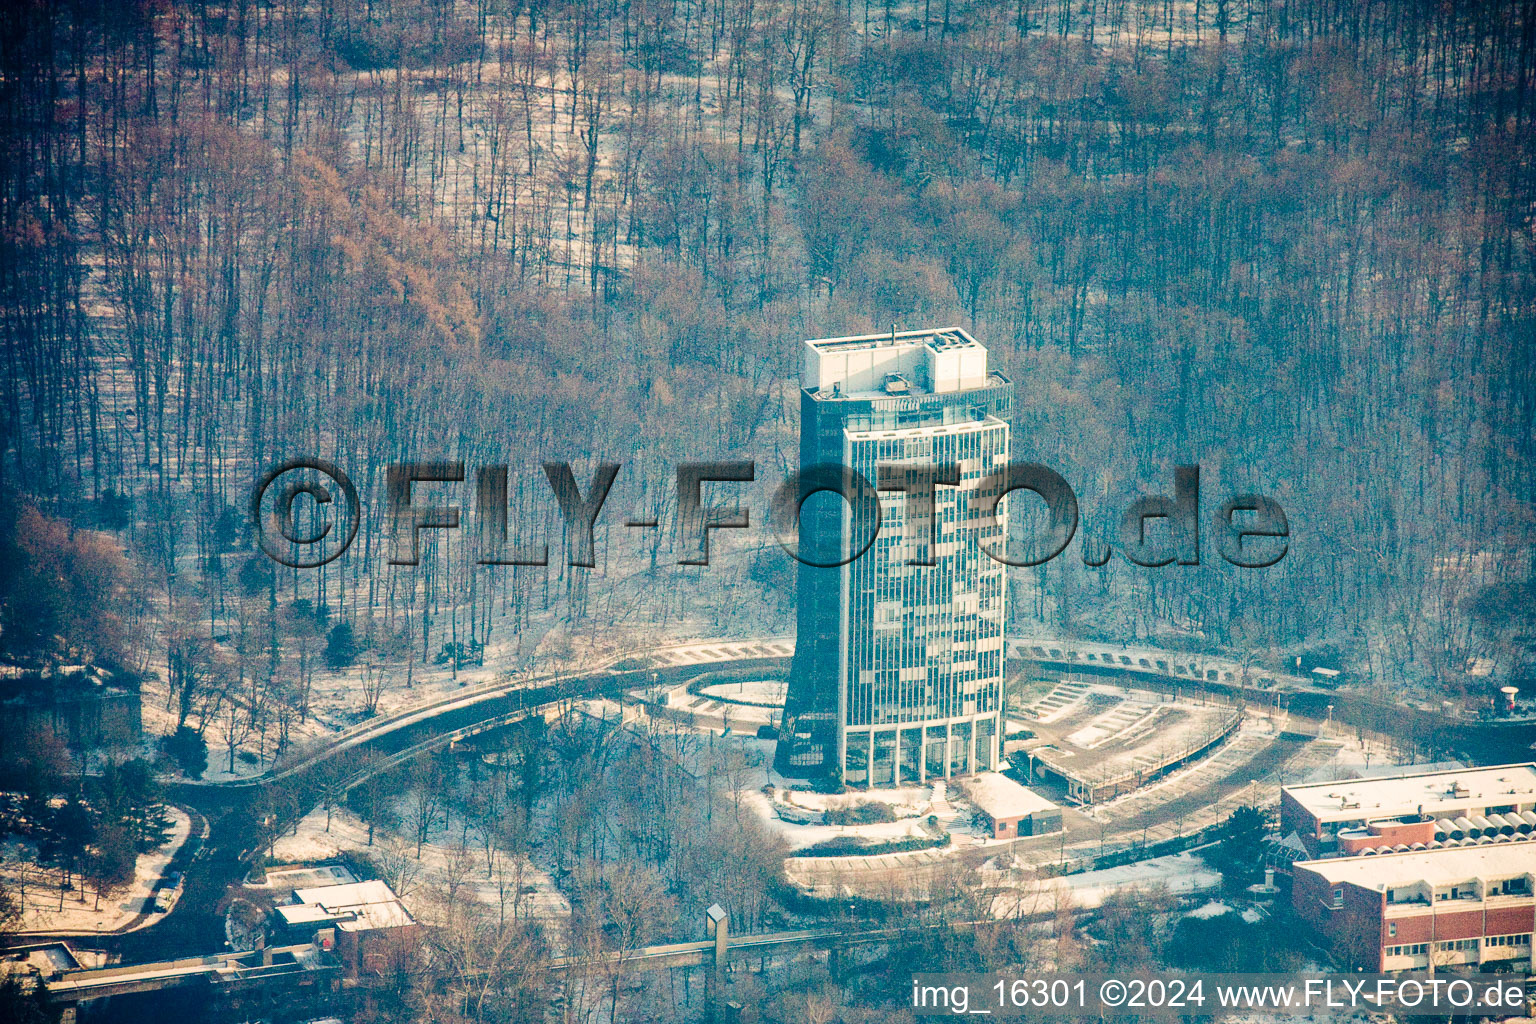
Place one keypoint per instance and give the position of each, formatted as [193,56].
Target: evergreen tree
[340,646]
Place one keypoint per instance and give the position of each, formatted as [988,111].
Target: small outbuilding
[1011,809]
[363,922]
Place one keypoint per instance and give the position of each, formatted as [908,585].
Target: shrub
[114,510]
[853,846]
[865,812]
[188,749]
[229,529]
[1228,943]
[254,575]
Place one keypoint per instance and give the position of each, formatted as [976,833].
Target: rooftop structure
[363,923]
[1001,797]
[1013,810]
[1480,798]
[1096,741]
[930,361]
[354,906]
[1432,793]
[1437,868]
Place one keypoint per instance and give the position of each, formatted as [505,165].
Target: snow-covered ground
[544,647]
[756,691]
[1181,873]
[800,836]
[416,880]
[907,800]
[913,805]
[1216,908]
[79,914]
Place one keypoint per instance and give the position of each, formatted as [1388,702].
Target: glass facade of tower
[898,669]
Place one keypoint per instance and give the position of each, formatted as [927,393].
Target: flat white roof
[1000,797]
[303,913]
[1433,792]
[1437,867]
[940,337]
[347,894]
[309,877]
[933,360]
[1398,771]
[370,904]
[377,915]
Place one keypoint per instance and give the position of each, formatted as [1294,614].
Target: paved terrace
[1098,739]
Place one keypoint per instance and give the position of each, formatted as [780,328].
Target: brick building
[365,924]
[1430,909]
[1399,812]
[1012,810]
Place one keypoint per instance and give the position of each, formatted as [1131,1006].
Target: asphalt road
[195,925]
[211,867]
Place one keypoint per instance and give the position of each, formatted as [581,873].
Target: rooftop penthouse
[899,363]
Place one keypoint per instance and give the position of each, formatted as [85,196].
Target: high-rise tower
[898,667]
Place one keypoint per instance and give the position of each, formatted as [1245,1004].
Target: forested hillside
[1288,240]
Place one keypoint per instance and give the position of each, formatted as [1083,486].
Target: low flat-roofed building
[1431,909]
[1013,810]
[352,906]
[1319,811]
[365,921]
[28,964]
